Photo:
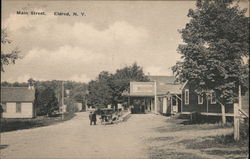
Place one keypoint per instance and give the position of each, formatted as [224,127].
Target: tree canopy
[108,88]
[7,57]
[216,40]
[45,101]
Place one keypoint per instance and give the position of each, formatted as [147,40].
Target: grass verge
[18,124]
[218,145]
[176,124]
[165,153]
[221,145]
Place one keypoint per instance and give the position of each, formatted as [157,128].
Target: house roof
[166,84]
[17,94]
[162,79]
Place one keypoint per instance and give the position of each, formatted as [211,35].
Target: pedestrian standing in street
[90,117]
[93,118]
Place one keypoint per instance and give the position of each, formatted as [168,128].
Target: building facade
[207,105]
[161,95]
[18,102]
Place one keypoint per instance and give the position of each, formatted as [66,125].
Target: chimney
[31,85]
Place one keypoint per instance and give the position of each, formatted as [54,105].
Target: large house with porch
[161,95]
[207,105]
[18,102]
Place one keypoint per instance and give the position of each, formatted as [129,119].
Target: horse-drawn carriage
[109,115]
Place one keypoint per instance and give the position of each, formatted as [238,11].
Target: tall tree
[7,58]
[216,40]
[77,90]
[108,88]
[123,77]
[100,92]
[45,101]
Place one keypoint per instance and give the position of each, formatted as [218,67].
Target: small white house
[18,102]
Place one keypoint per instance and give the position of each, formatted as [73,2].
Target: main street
[135,138]
[75,139]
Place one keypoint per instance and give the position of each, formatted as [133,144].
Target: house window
[4,107]
[186,96]
[18,107]
[200,99]
[213,100]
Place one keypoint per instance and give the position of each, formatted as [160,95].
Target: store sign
[142,88]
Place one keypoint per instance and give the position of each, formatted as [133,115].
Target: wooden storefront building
[207,105]
[161,95]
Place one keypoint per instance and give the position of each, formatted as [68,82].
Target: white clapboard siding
[26,110]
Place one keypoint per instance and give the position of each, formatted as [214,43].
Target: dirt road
[77,139]
[74,139]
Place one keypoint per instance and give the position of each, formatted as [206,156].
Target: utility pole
[86,101]
[62,100]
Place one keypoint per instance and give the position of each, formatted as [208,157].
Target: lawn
[223,145]
[179,138]
[18,124]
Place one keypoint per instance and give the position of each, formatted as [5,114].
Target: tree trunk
[236,122]
[223,114]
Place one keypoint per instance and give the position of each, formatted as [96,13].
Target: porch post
[129,102]
[171,101]
[155,91]
[176,103]
[223,113]
[181,102]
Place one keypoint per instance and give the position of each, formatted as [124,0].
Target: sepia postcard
[124,79]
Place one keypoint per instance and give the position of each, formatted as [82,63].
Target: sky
[110,35]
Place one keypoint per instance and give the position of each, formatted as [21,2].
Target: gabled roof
[17,94]
[162,79]
[166,84]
